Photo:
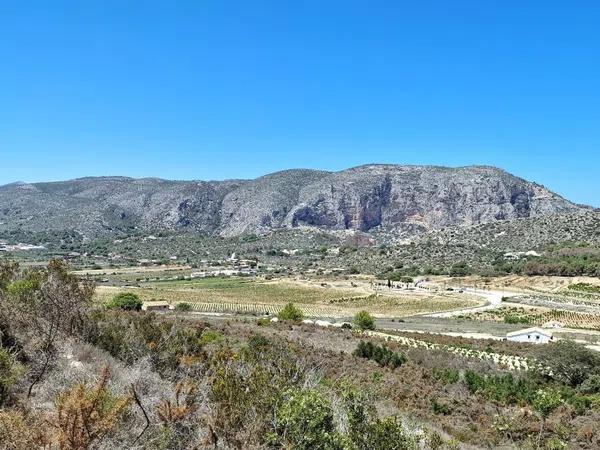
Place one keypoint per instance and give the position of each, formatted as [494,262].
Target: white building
[532,335]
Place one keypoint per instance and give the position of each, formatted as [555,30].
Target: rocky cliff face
[432,197]
[362,198]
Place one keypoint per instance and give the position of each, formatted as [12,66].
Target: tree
[364,321]
[569,362]
[127,301]
[291,312]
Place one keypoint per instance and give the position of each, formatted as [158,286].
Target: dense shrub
[447,376]
[506,389]
[131,336]
[305,422]
[585,287]
[364,321]
[563,260]
[460,269]
[591,385]
[381,354]
[19,431]
[569,362]
[127,301]
[42,305]
[365,430]
[10,371]
[439,407]
[388,434]
[291,312]
[183,307]
[516,319]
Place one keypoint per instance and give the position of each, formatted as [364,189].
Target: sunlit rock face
[363,198]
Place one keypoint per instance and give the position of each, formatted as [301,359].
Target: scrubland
[76,375]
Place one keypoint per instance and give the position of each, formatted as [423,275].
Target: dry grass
[518,283]
[539,316]
[257,296]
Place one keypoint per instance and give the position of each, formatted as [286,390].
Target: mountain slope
[371,197]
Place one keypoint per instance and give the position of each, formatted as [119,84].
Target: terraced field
[258,296]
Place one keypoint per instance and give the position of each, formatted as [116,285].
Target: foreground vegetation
[77,375]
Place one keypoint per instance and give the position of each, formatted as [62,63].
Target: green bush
[305,422]
[127,301]
[183,307]
[459,269]
[448,376]
[505,389]
[440,408]
[381,354]
[388,434]
[209,336]
[291,312]
[366,431]
[515,319]
[590,385]
[546,401]
[585,287]
[569,362]
[131,337]
[364,321]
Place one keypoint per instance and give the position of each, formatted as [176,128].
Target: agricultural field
[566,286]
[539,316]
[135,274]
[256,296]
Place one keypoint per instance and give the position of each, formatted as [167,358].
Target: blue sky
[235,89]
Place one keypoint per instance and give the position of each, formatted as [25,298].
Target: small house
[157,306]
[532,335]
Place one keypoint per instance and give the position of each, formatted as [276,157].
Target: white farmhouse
[532,335]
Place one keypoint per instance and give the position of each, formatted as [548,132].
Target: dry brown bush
[21,432]
[86,415]
[182,406]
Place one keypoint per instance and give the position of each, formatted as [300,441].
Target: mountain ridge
[367,197]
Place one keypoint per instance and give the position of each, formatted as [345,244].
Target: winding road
[493,300]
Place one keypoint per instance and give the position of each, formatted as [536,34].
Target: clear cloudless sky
[219,89]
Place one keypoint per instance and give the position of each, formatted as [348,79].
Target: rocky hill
[366,198]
